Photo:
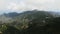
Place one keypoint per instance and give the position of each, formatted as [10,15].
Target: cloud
[29,4]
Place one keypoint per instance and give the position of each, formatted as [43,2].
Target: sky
[21,5]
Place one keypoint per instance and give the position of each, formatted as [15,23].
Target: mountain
[25,14]
[12,14]
[55,14]
[28,15]
[4,19]
[32,22]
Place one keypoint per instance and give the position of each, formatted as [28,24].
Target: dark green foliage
[33,22]
[11,30]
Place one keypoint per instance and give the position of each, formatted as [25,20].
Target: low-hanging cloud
[29,4]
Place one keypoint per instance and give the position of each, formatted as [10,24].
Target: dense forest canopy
[30,22]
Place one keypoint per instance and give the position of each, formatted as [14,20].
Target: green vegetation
[31,22]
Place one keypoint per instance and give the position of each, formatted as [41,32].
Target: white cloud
[29,4]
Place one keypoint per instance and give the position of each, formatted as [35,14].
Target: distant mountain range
[55,14]
[14,14]
[27,14]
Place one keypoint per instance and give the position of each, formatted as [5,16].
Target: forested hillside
[29,22]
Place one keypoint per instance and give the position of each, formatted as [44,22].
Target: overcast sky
[18,5]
